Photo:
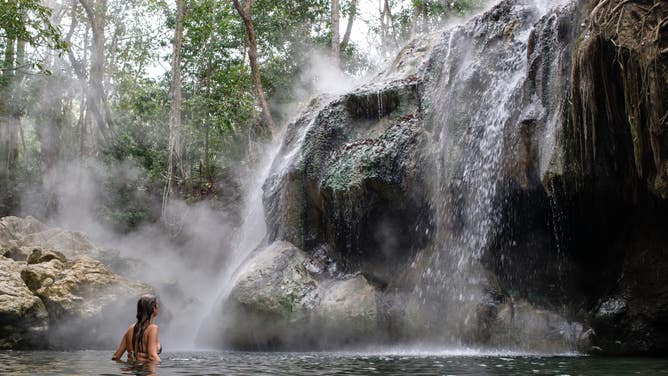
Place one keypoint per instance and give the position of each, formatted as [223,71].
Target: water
[394,363]
[476,99]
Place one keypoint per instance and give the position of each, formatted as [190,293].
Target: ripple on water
[238,363]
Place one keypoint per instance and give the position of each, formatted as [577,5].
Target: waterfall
[274,162]
[474,103]
[402,183]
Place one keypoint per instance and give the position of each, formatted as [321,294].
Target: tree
[21,23]
[174,145]
[245,14]
[352,12]
[97,108]
[335,31]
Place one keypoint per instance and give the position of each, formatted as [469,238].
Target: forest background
[175,99]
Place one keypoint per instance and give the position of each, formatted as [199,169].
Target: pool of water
[396,363]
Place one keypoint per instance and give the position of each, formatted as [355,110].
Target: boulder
[80,289]
[523,326]
[271,301]
[349,312]
[277,303]
[39,256]
[51,290]
[23,316]
[29,232]
[16,253]
[19,237]
[351,176]
[82,296]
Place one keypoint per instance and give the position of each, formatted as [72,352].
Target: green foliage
[220,116]
[424,15]
[28,20]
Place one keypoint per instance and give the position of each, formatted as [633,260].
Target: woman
[141,338]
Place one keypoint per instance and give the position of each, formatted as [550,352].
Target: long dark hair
[145,307]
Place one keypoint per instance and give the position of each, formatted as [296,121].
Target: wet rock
[276,303]
[23,316]
[272,299]
[349,312]
[577,203]
[611,310]
[585,343]
[350,177]
[522,326]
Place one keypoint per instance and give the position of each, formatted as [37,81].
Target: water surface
[245,363]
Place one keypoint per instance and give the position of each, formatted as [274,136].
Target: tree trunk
[18,102]
[335,31]
[8,127]
[85,139]
[245,13]
[174,147]
[207,168]
[97,110]
[349,26]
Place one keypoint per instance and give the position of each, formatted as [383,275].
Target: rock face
[48,300]
[593,198]
[349,178]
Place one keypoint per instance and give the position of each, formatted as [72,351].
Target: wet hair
[145,307]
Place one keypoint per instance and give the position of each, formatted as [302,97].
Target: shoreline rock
[50,300]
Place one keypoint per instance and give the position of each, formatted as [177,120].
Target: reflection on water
[238,363]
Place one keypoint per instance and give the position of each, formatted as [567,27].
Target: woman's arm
[121,348]
[153,344]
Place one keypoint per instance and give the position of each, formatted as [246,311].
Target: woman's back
[140,351]
[141,339]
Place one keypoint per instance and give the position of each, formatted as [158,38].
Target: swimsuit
[135,355]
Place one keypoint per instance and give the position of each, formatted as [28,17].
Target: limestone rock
[16,253]
[39,256]
[349,311]
[272,299]
[23,316]
[80,289]
[29,232]
[276,303]
[52,290]
[351,176]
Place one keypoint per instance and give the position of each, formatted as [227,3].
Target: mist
[190,257]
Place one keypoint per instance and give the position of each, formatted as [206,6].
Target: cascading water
[276,158]
[474,102]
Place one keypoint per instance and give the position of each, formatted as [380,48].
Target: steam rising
[183,269]
[192,260]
